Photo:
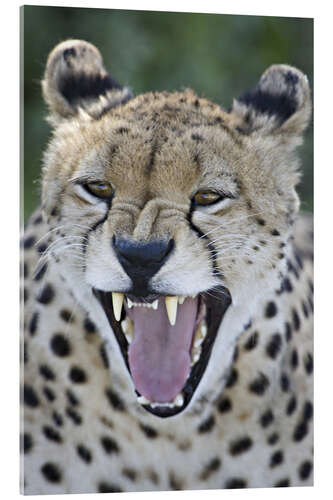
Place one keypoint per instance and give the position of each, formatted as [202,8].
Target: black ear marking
[282,93]
[75,79]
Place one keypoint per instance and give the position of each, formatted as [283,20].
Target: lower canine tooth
[117,302]
[171,304]
[143,401]
[179,400]
[127,327]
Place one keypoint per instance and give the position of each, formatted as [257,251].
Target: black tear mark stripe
[94,227]
[210,246]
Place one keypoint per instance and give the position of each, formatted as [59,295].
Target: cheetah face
[170,211]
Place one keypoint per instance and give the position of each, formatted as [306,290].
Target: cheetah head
[169,215]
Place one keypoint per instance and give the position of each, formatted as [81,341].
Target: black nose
[141,260]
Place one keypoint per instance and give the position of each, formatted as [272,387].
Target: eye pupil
[100,189]
[203,198]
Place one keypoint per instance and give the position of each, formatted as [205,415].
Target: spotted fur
[250,421]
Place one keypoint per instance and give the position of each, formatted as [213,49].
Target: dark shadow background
[219,56]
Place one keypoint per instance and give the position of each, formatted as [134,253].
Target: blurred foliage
[219,56]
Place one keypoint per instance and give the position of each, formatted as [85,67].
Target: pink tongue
[159,355]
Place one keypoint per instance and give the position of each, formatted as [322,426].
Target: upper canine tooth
[171,304]
[155,304]
[117,302]
[179,400]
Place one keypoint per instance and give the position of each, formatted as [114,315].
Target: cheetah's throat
[159,355]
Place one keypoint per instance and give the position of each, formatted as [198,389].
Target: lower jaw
[216,303]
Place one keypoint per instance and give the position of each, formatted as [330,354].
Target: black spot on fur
[41,271]
[240,446]
[308,410]
[105,487]
[261,222]
[308,363]
[274,346]
[232,379]
[33,323]
[29,242]
[197,137]
[74,416]
[300,431]
[305,470]
[131,474]
[51,472]
[77,375]
[224,405]
[52,434]
[149,431]
[114,399]
[49,394]
[60,345]
[66,315]
[89,326]
[26,442]
[284,382]
[235,483]
[109,445]
[294,359]
[283,483]
[266,418]
[57,418]
[46,372]
[252,342]
[174,482]
[276,458]
[273,438]
[271,310]
[296,320]
[275,232]
[30,397]
[72,399]
[291,406]
[122,130]
[259,385]
[46,295]
[213,465]
[84,453]
[288,332]
[104,356]
[207,425]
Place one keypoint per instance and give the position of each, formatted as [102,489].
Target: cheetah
[167,288]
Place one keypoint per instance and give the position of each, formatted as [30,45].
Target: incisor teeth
[171,304]
[129,303]
[117,302]
[155,304]
[181,299]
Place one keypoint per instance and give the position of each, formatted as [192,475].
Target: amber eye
[203,198]
[102,190]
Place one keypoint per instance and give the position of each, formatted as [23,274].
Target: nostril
[143,254]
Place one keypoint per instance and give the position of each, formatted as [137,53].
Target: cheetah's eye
[203,198]
[102,190]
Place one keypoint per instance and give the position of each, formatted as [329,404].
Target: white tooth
[129,303]
[200,334]
[179,400]
[155,304]
[117,302]
[194,296]
[127,327]
[203,328]
[171,304]
[143,401]
[181,299]
[195,354]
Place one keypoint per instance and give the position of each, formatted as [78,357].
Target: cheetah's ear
[76,81]
[280,102]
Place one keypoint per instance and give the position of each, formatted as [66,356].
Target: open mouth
[166,342]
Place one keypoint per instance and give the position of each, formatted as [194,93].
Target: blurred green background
[219,56]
